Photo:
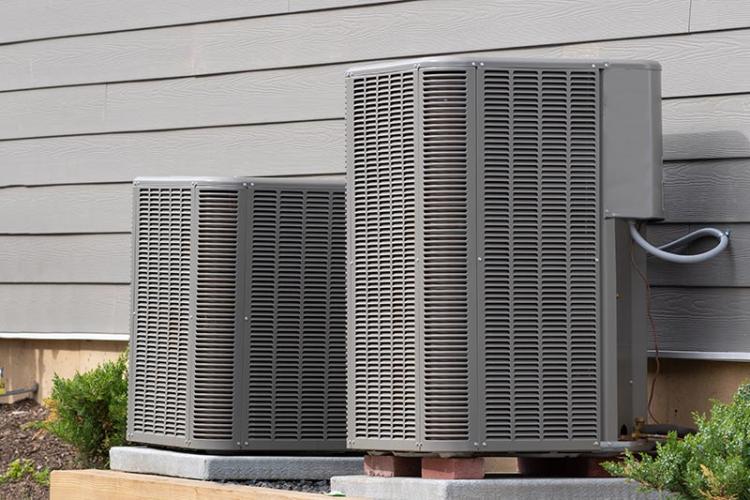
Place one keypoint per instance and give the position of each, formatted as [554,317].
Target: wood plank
[93,208]
[707,191]
[364,33]
[707,127]
[64,308]
[719,14]
[730,268]
[702,319]
[78,258]
[700,64]
[107,484]
[286,149]
[37,19]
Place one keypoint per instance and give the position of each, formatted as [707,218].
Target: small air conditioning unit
[238,314]
[493,303]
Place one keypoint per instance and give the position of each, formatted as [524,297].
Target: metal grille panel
[215,383]
[162,308]
[296,297]
[445,209]
[539,239]
[382,221]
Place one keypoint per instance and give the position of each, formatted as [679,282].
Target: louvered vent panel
[162,303]
[296,296]
[215,313]
[540,307]
[382,110]
[446,333]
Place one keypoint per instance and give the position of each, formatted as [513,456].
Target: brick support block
[391,466]
[452,468]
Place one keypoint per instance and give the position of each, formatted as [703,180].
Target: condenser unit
[238,314]
[494,301]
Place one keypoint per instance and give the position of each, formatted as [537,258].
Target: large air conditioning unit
[494,300]
[238,314]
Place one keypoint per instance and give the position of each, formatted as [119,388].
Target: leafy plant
[713,464]
[89,411]
[19,469]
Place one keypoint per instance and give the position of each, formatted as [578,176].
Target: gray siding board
[64,308]
[719,14]
[96,208]
[85,258]
[285,149]
[709,63]
[300,148]
[366,33]
[707,191]
[36,19]
[702,319]
[707,127]
[728,269]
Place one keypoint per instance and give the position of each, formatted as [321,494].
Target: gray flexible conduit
[661,251]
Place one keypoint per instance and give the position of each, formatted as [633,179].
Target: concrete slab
[230,467]
[507,488]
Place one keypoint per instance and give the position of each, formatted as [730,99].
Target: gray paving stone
[230,467]
[507,488]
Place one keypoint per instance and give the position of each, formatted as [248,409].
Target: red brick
[391,466]
[452,468]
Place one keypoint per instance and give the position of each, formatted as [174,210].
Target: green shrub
[89,411]
[713,464]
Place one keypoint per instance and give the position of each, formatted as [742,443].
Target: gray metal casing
[238,316]
[492,304]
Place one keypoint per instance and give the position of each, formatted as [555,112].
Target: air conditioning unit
[494,306]
[238,314]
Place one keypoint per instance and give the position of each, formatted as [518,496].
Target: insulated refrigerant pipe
[661,251]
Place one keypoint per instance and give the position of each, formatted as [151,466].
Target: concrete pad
[230,467]
[507,488]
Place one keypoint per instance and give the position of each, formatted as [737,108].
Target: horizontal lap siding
[269,101]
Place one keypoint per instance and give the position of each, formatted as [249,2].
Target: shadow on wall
[717,144]
[29,361]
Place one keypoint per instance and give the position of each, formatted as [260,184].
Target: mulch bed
[34,444]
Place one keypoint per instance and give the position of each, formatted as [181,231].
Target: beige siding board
[719,14]
[702,319]
[701,64]
[374,32]
[64,308]
[86,258]
[35,19]
[284,149]
[93,208]
[707,191]
[707,127]
[728,269]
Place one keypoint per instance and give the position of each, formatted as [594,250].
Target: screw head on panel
[484,443]
[246,443]
[246,318]
[479,259]
[476,444]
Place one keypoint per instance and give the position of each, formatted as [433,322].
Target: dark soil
[18,441]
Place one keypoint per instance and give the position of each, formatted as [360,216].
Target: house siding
[103,91]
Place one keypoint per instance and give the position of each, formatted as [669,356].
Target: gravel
[309,486]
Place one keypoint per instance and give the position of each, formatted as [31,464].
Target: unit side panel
[382,322]
[447,257]
[539,244]
[216,370]
[161,309]
[295,331]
